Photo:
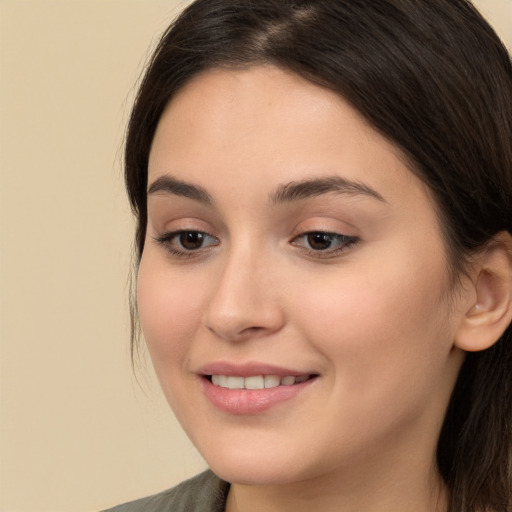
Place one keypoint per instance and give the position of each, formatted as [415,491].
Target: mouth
[257,382]
[254,394]
[254,387]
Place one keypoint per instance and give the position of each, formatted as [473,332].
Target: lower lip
[250,401]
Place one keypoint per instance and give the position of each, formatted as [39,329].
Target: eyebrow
[293,191]
[171,185]
[314,187]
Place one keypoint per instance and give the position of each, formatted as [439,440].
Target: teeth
[220,380]
[272,381]
[236,382]
[287,381]
[256,381]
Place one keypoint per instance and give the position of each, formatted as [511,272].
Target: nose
[245,302]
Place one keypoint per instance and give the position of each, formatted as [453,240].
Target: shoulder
[203,493]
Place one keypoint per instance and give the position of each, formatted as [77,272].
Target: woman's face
[289,249]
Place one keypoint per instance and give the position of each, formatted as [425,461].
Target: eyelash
[345,242]
[170,240]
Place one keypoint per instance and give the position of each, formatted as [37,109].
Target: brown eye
[320,241]
[186,242]
[191,240]
[323,244]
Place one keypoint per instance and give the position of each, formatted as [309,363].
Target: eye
[186,241]
[324,242]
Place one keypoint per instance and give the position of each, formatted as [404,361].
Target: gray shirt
[203,493]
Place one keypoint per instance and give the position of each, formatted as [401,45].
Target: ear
[490,311]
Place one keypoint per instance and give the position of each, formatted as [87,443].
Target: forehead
[268,125]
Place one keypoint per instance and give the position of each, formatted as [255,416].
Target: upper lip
[249,369]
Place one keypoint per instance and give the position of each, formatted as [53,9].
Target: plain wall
[77,432]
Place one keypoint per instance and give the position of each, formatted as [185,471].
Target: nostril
[238,332]
[252,330]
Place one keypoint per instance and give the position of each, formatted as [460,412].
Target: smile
[256,381]
[253,394]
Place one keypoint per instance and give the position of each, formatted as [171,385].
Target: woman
[323,192]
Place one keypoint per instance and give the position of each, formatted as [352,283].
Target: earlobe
[491,313]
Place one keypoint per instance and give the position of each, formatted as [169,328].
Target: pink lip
[249,401]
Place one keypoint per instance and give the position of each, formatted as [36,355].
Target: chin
[258,467]
[252,473]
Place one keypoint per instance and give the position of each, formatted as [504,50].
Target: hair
[433,78]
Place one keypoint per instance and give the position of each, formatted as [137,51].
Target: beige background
[77,433]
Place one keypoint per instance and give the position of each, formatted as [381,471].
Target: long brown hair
[432,77]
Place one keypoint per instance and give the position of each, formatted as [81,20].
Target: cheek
[382,323]
[168,311]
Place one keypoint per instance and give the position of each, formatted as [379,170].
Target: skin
[375,320]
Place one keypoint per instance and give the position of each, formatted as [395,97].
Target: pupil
[319,241]
[191,240]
